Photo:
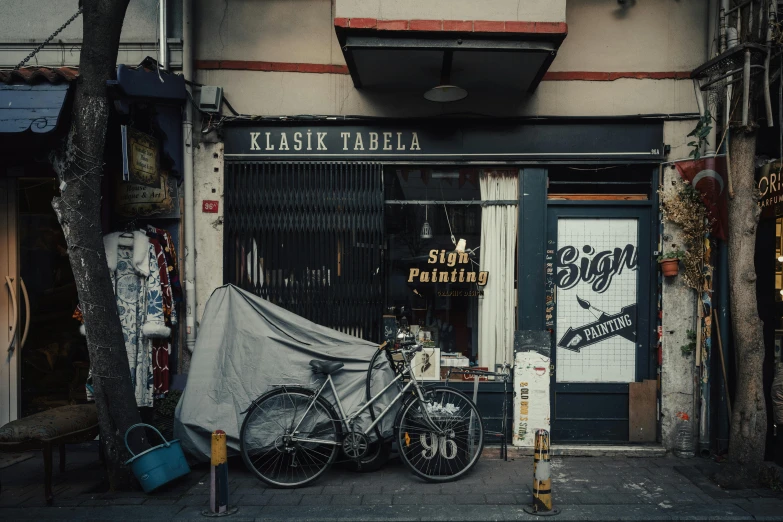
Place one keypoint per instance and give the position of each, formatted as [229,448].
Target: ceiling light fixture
[445,92]
[426,230]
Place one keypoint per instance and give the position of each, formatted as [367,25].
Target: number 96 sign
[434,445]
[209,206]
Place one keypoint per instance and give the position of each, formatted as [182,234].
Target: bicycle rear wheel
[450,451]
[276,454]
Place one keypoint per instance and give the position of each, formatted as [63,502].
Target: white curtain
[498,242]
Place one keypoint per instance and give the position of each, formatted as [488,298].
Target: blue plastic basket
[159,465]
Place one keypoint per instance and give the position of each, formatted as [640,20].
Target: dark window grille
[308,236]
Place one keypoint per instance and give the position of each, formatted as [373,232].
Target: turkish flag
[708,176]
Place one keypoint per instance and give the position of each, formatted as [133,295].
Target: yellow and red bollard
[218,487]
[542,477]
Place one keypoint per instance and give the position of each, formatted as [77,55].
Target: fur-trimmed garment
[136,279]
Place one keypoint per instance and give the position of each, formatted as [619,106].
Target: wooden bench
[42,431]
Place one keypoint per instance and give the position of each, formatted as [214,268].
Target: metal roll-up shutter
[308,236]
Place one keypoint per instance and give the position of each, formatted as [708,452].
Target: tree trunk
[80,169]
[749,417]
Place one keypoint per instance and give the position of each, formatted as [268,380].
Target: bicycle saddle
[325,367]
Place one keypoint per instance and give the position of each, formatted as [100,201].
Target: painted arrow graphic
[605,327]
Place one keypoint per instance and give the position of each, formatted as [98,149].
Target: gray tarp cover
[246,345]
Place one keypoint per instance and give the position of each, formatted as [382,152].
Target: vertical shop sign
[550,287]
[531,401]
[140,162]
[596,283]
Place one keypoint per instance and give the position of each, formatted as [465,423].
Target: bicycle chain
[58,31]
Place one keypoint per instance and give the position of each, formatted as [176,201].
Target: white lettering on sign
[254,141]
[400,146]
[771,188]
[434,444]
[350,141]
[415,142]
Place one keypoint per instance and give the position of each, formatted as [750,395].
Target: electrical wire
[228,104]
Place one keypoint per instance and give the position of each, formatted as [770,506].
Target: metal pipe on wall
[722,435]
[705,301]
[713,49]
[190,219]
[163,49]
[772,10]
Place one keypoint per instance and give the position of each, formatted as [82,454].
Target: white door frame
[10,381]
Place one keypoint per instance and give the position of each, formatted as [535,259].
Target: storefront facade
[478,231]
[48,364]
[313,188]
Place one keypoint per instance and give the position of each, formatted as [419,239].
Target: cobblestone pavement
[584,488]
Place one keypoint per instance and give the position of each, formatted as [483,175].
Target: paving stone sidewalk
[584,488]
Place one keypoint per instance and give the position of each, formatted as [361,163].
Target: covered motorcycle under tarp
[247,345]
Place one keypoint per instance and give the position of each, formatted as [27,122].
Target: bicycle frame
[347,420]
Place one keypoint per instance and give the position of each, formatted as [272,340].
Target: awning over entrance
[503,59]
[32,98]
[31,107]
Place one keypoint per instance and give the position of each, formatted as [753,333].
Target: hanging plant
[683,207]
[700,132]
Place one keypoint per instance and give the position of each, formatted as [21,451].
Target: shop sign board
[140,165]
[770,187]
[449,271]
[596,316]
[137,200]
[428,140]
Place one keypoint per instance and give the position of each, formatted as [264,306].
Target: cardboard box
[460,362]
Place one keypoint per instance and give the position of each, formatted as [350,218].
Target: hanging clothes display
[161,348]
[145,277]
[170,254]
[135,275]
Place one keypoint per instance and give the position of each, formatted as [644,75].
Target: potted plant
[670,262]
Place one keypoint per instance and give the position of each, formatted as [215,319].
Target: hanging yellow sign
[134,200]
[141,165]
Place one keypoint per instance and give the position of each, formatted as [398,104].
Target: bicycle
[439,430]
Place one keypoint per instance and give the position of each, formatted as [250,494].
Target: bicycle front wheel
[450,444]
[289,437]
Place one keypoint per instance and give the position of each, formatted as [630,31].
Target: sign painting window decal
[596,279]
